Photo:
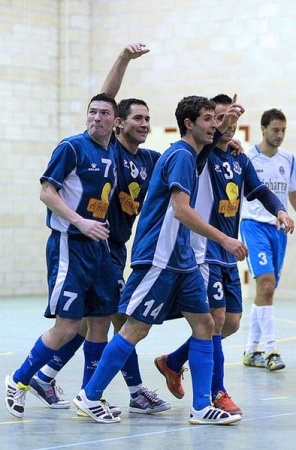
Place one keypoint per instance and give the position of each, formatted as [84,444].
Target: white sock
[265,316]
[254,331]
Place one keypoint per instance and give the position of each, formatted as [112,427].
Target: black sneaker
[48,393]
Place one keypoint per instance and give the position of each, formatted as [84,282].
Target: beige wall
[55,55]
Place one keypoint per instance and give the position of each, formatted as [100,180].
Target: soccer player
[267,241]
[165,272]
[76,188]
[224,181]
[134,170]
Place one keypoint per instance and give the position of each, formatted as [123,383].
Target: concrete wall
[55,56]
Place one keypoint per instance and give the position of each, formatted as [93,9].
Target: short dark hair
[124,106]
[222,99]
[270,115]
[189,108]
[104,98]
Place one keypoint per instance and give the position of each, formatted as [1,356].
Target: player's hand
[285,221]
[236,147]
[93,229]
[232,114]
[133,51]
[236,247]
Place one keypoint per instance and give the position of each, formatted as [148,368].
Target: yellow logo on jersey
[230,207]
[128,203]
[98,207]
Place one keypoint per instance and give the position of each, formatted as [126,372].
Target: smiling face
[135,128]
[100,121]
[274,133]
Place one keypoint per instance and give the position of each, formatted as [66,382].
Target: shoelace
[151,396]
[18,395]
[57,390]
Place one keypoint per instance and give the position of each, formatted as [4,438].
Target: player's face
[136,126]
[204,127]
[100,120]
[219,115]
[274,133]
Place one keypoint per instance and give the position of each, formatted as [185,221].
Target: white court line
[175,430]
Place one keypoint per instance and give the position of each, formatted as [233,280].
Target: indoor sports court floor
[267,399]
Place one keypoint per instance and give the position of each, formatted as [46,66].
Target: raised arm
[114,78]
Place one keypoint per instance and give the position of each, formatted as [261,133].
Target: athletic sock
[38,356]
[131,373]
[265,316]
[201,367]
[92,355]
[113,358]
[178,358]
[254,332]
[48,372]
[218,371]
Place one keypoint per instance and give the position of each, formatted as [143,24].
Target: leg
[44,349]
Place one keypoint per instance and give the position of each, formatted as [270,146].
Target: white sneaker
[96,409]
[15,396]
[115,410]
[212,416]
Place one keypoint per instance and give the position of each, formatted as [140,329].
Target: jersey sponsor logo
[99,207]
[276,186]
[127,201]
[230,207]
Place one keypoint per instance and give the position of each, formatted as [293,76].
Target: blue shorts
[151,293]
[118,254]
[267,247]
[223,287]
[81,278]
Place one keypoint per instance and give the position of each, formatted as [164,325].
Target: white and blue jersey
[278,173]
[165,279]
[161,240]
[225,180]
[266,244]
[84,174]
[81,278]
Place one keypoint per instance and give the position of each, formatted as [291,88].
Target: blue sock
[92,355]
[201,367]
[218,371]
[38,356]
[60,359]
[131,371]
[113,358]
[178,358]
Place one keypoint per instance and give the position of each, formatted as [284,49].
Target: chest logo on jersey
[127,201]
[98,207]
[134,171]
[93,168]
[230,207]
[237,168]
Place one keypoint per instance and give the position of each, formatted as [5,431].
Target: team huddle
[193,201]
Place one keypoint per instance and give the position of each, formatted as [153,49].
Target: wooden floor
[266,398]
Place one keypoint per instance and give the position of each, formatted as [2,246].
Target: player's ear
[118,122]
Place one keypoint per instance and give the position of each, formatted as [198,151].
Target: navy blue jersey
[134,174]
[84,174]
[223,182]
[161,240]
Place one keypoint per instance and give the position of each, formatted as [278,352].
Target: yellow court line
[13,422]
[6,354]
[274,398]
